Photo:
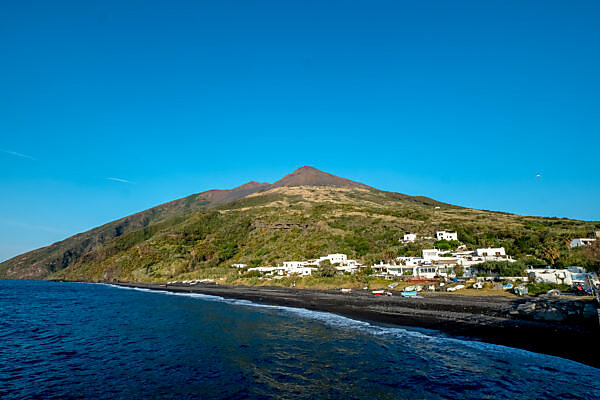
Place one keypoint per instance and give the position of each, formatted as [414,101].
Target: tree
[502,268]
[325,269]
[447,245]
[550,253]
[593,254]
[459,270]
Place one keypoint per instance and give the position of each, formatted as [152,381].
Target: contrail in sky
[16,154]
[118,180]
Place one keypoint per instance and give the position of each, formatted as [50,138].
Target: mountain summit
[310,176]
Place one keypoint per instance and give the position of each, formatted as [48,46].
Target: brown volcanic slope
[309,176]
[39,263]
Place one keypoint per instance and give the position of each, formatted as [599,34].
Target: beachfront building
[469,259]
[580,242]
[340,261]
[292,268]
[433,263]
[445,263]
[568,276]
[268,270]
[446,235]
[350,266]
[409,238]
[297,268]
[304,271]
[305,268]
[381,269]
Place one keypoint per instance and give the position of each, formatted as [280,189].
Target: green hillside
[307,222]
[267,224]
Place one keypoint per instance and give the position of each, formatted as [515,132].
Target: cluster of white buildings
[439,263]
[435,263]
[305,268]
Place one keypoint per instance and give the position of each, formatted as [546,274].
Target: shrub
[540,287]
[253,274]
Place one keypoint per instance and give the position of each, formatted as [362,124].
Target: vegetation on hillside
[302,223]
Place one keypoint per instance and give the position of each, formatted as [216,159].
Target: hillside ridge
[305,211]
[39,263]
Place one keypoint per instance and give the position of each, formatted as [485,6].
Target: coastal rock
[552,314]
[526,308]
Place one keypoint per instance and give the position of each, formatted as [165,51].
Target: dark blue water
[70,340]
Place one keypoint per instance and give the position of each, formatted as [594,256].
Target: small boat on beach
[378,292]
[343,290]
[412,293]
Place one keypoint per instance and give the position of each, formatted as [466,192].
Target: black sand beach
[566,328]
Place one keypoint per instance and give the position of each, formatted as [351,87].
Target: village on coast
[454,270]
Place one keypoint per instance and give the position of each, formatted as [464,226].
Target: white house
[491,252]
[401,270]
[350,266]
[445,235]
[304,271]
[294,264]
[387,269]
[427,272]
[341,262]
[430,254]
[381,268]
[579,242]
[333,258]
[239,265]
[410,261]
[267,270]
[409,237]
[305,268]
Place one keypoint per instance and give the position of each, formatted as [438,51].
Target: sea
[94,341]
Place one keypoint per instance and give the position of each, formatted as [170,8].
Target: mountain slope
[306,214]
[40,263]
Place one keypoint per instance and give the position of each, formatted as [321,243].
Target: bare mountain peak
[307,169]
[252,185]
[310,176]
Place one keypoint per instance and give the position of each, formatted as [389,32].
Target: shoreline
[497,320]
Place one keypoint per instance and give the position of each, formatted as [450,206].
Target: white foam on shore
[342,322]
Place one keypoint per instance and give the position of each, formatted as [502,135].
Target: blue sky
[111,107]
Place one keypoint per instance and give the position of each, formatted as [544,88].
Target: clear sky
[111,107]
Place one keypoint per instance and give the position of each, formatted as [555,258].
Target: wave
[384,331]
